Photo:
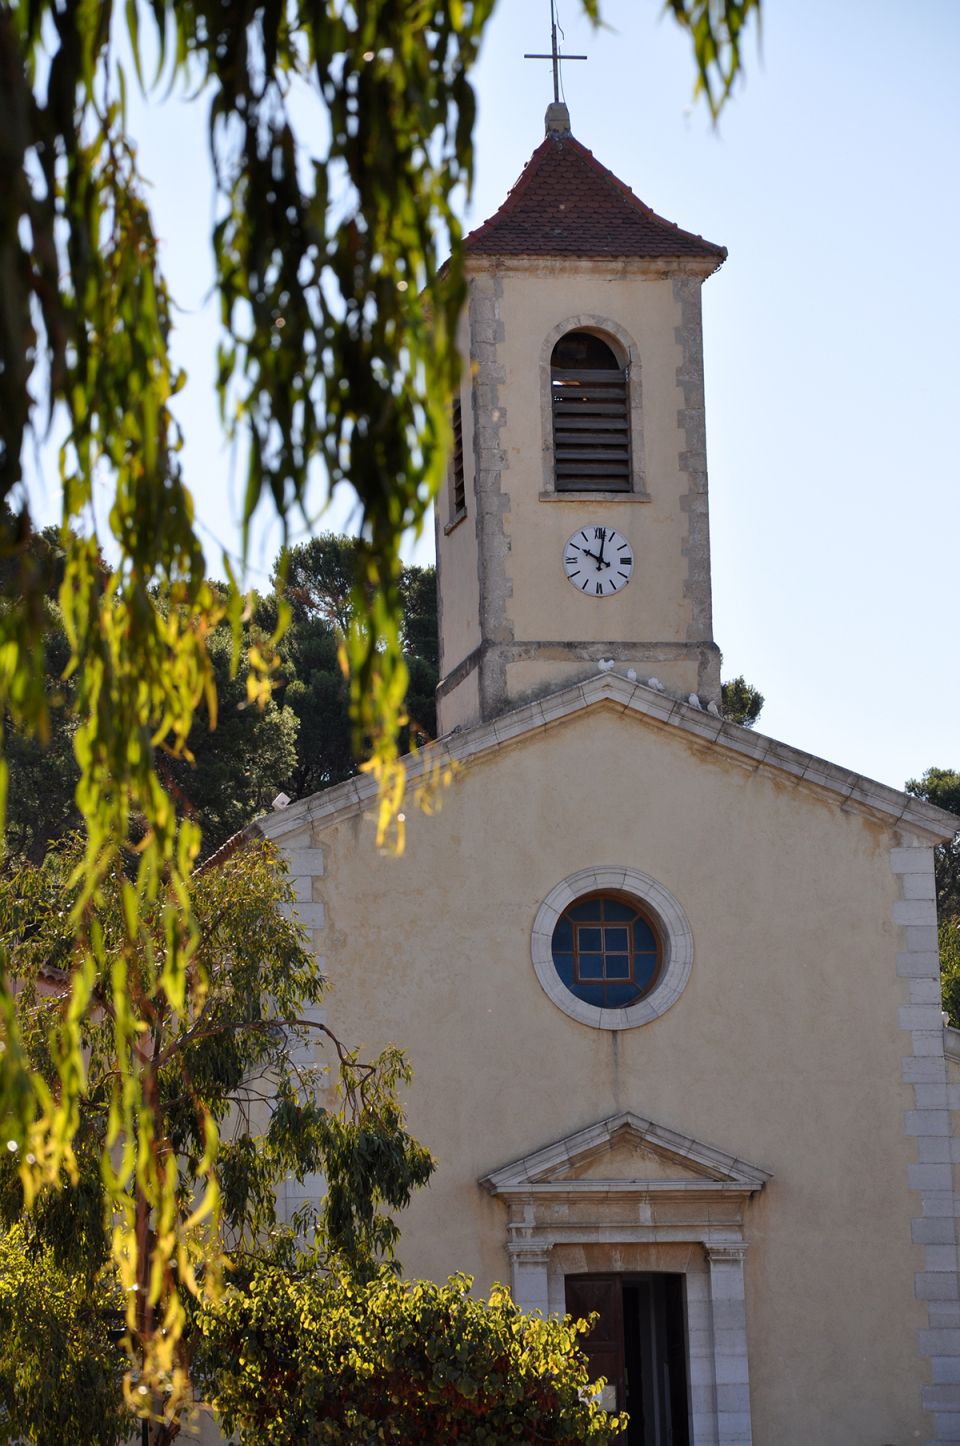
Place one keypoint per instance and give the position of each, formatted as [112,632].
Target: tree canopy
[236,1066]
[941,786]
[337,350]
[60,1364]
[297,741]
[741,701]
[297,1359]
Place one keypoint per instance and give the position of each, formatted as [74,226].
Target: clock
[598,560]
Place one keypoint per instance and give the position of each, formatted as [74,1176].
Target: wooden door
[639,1346]
[604,1345]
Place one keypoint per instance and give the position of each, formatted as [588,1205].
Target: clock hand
[603,543]
[599,560]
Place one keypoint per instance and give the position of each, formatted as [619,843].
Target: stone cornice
[573,1190]
[656,268]
[755,751]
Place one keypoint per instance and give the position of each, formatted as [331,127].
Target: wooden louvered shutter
[459,489]
[591,417]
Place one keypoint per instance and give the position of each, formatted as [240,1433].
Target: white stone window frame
[628,354]
[676,939]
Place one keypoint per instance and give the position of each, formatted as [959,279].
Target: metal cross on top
[554,55]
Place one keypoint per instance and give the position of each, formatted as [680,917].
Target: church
[669,987]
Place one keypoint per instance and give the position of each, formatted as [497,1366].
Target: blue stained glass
[644,940]
[619,995]
[597,943]
[589,993]
[644,968]
[563,963]
[563,935]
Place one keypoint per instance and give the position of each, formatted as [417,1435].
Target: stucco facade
[808,1018]
[762,1139]
[523,629]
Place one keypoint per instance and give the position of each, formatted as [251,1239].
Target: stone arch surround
[630,354]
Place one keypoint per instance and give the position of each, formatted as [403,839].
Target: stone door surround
[585,1191]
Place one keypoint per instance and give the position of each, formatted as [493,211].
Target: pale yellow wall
[457,544]
[544,604]
[460,632]
[532,677]
[462,707]
[784,1048]
[652,321]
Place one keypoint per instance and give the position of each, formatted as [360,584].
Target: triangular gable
[755,750]
[626,1153]
[565,203]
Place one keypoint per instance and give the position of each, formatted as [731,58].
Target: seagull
[605,664]
[631,675]
[712,708]
[694,701]
[655,683]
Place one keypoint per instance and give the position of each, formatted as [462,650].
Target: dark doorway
[639,1344]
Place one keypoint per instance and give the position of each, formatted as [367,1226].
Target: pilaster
[729,1320]
[529,1274]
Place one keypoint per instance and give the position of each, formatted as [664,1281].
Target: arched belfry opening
[591,425]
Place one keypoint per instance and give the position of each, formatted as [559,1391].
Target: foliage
[317,580]
[298,740]
[59,1365]
[227,1066]
[420,629]
[941,786]
[43,772]
[326,1361]
[337,347]
[234,770]
[717,29]
[41,803]
[741,702]
[949,941]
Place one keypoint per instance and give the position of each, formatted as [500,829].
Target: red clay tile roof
[566,204]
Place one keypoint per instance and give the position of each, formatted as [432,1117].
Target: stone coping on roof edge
[757,750]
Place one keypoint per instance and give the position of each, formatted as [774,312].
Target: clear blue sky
[830,333]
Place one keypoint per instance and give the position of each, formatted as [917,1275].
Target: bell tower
[573,528]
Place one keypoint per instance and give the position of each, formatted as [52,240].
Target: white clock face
[598,560]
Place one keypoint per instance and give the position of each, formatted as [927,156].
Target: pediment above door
[629,1172]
